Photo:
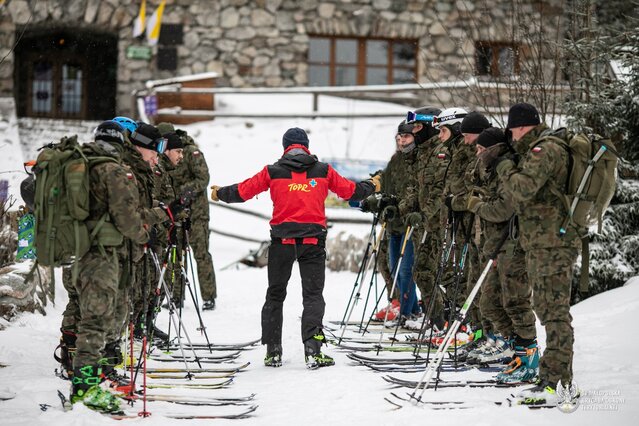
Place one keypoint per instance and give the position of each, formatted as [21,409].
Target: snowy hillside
[605,361]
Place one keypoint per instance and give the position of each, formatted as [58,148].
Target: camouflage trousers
[71,314]
[199,242]
[474,269]
[506,297]
[98,289]
[144,287]
[427,255]
[382,265]
[550,273]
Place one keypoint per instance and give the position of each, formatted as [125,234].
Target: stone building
[78,59]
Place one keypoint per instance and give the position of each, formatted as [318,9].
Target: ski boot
[67,353]
[392,314]
[273,356]
[524,367]
[313,356]
[498,353]
[86,389]
[209,305]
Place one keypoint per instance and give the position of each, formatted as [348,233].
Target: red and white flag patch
[441,156]
[129,176]
[536,150]
[196,153]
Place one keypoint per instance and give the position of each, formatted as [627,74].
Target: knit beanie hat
[474,123]
[173,141]
[295,136]
[491,136]
[521,115]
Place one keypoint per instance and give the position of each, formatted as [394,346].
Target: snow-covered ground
[606,347]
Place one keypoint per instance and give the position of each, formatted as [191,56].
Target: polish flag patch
[129,176]
[441,156]
[536,150]
[196,153]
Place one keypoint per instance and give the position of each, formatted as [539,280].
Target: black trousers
[311,259]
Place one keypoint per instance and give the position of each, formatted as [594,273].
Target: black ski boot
[273,356]
[313,355]
[209,305]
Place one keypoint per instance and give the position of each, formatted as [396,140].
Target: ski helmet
[450,117]
[425,116]
[126,122]
[109,131]
[405,127]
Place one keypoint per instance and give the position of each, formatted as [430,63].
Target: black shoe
[209,305]
[273,356]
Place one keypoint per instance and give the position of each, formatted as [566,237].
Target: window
[360,61]
[171,35]
[57,88]
[496,59]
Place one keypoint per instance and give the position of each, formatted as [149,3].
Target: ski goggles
[158,144]
[412,117]
[442,119]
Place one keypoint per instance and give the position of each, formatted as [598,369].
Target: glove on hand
[153,238]
[448,201]
[414,219]
[473,204]
[389,213]
[369,204]
[377,182]
[214,190]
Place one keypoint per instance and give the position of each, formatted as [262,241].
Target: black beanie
[294,136]
[474,123]
[173,141]
[521,115]
[146,136]
[491,136]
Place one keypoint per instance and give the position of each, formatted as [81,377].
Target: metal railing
[394,91]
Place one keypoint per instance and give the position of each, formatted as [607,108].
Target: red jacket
[299,184]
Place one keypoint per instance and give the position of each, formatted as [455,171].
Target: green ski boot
[273,356]
[314,357]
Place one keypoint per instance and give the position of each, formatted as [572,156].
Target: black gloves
[369,204]
[449,201]
[153,238]
[389,213]
[414,219]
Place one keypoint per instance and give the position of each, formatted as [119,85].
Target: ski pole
[439,355]
[444,257]
[362,267]
[407,235]
[361,283]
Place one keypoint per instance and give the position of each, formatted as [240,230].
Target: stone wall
[265,42]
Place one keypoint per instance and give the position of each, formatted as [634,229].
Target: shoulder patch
[196,153]
[158,173]
[441,155]
[129,176]
[536,150]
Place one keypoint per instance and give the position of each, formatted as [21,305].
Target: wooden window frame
[57,61]
[496,46]
[361,65]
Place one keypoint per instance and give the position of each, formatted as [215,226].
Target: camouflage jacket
[542,169]
[432,180]
[113,190]
[192,174]
[461,175]
[164,189]
[398,180]
[496,210]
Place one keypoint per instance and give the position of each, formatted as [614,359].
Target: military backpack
[62,202]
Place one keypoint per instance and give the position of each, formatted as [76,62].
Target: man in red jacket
[299,184]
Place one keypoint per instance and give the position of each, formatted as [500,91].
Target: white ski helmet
[449,116]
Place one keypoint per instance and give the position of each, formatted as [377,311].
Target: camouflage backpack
[592,177]
[591,184]
[62,202]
